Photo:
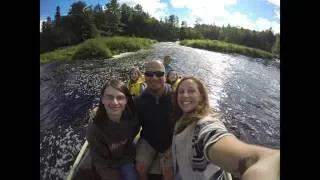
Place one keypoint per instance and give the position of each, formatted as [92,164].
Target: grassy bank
[220,46]
[103,47]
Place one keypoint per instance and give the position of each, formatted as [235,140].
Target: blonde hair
[134,69]
[202,109]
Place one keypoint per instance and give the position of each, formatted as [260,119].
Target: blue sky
[252,14]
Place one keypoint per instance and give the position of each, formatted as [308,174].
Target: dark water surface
[245,91]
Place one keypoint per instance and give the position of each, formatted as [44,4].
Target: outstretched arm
[242,159]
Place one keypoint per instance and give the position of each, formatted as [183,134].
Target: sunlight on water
[57,152]
[245,91]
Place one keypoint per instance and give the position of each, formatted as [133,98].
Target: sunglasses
[151,73]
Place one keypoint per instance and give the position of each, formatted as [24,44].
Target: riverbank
[220,46]
[103,47]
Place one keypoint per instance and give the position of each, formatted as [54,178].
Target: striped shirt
[189,149]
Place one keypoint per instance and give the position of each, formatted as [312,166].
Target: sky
[251,14]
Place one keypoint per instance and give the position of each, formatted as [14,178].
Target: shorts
[146,154]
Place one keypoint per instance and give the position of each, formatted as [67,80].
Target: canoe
[82,168]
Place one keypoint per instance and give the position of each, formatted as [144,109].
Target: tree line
[84,22]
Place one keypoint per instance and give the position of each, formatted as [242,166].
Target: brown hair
[120,86]
[202,110]
[167,77]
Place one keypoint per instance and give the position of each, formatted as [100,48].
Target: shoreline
[229,48]
[98,48]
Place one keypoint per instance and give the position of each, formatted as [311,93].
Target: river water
[244,90]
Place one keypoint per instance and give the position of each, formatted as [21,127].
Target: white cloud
[213,11]
[104,7]
[242,20]
[277,14]
[209,11]
[155,8]
[275,27]
[239,19]
[275,3]
[198,4]
[41,25]
[263,23]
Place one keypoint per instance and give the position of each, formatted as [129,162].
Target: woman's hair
[134,69]
[202,109]
[120,86]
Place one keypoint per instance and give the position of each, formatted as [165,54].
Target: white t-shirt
[189,149]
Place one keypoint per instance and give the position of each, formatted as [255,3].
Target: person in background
[173,79]
[202,147]
[167,64]
[136,83]
[114,124]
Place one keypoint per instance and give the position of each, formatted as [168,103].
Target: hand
[267,168]
[163,160]
[168,152]
[167,172]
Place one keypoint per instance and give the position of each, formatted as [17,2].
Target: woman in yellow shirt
[136,83]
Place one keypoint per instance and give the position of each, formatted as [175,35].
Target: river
[244,90]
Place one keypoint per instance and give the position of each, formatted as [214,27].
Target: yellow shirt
[174,86]
[135,88]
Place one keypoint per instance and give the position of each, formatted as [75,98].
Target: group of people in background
[137,85]
[172,116]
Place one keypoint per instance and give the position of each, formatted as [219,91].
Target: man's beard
[155,91]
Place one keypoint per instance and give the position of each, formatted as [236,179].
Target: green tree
[126,18]
[47,25]
[138,21]
[77,8]
[46,36]
[183,30]
[57,16]
[80,21]
[98,16]
[276,45]
[113,16]
[83,22]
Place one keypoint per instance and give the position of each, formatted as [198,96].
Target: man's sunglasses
[151,73]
